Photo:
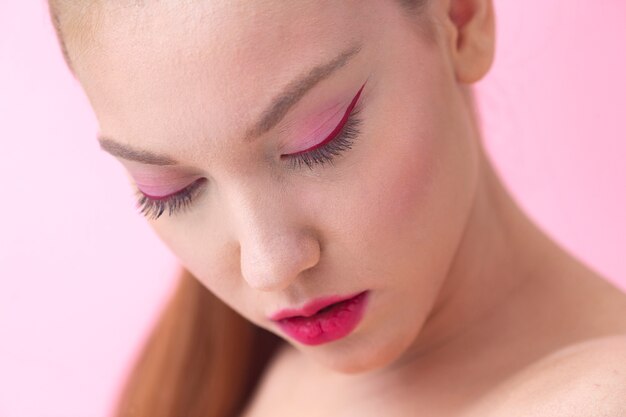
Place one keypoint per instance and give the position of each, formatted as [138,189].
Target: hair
[201,358]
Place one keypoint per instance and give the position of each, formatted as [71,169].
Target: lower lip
[331,323]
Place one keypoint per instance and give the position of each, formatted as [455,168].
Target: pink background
[82,275]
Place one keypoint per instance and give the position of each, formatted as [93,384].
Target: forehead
[220,59]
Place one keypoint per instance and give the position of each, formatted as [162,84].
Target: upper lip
[311,307]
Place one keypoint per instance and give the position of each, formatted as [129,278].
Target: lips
[310,308]
[323,321]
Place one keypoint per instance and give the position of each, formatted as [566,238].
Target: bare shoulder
[587,379]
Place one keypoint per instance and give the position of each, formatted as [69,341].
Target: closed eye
[331,147]
[338,141]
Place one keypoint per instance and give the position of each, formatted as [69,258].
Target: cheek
[394,201]
[195,244]
[401,213]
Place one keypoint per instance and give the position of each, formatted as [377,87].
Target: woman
[317,168]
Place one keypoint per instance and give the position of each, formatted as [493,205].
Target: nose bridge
[275,247]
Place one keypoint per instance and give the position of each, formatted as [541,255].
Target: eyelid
[159,197]
[164,189]
[181,200]
[338,141]
[332,131]
[336,129]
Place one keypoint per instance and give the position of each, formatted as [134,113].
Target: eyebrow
[276,111]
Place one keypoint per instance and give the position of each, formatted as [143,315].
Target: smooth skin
[474,311]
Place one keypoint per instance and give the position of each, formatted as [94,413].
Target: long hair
[202,359]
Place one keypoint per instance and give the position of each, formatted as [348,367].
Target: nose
[275,247]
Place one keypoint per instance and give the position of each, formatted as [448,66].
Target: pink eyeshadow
[161,185]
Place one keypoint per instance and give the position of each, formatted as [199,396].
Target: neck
[500,252]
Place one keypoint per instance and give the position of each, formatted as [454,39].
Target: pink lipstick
[323,320]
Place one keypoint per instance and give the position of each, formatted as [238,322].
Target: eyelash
[153,208]
[334,147]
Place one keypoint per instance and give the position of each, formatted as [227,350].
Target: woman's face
[187,85]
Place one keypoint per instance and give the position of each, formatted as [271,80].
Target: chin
[359,356]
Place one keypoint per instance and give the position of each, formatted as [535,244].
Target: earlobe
[472,42]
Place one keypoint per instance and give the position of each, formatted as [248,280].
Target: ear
[472,38]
